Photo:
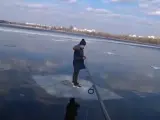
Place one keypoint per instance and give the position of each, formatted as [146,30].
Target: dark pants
[78,65]
[75,76]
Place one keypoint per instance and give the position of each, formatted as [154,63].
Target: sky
[141,17]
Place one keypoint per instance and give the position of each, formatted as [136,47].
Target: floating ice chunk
[155,67]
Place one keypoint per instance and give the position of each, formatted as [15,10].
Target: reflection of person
[71,110]
[78,61]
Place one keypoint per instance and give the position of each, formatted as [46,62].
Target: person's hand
[84,57]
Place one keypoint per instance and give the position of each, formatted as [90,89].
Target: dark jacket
[78,61]
[78,54]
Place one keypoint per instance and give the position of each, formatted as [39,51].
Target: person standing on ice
[78,61]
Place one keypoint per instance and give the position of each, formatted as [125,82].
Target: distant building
[91,30]
[153,37]
[140,36]
[71,27]
[132,35]
[74,28]
[83,30]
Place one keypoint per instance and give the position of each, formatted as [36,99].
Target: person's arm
[76,47]
[83,56]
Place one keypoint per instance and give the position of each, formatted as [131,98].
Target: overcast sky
[140,17]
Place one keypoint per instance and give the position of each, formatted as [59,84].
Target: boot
[77,85]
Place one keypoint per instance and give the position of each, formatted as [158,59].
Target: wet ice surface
[127,76]
[60,86]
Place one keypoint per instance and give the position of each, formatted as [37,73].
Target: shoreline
[79,34]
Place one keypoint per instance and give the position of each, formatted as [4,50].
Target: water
[127,76]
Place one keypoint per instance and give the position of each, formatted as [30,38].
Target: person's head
[82,43]
[72,100]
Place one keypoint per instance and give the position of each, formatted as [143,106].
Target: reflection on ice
[155,67]
[109,53]
[55,86]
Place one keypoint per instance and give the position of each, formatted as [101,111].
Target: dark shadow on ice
[71,110]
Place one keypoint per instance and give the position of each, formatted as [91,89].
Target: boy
[78,61]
